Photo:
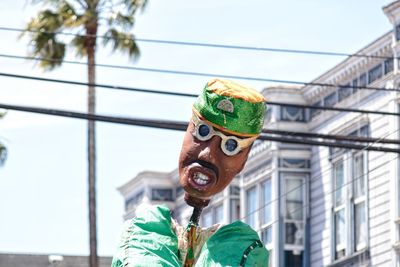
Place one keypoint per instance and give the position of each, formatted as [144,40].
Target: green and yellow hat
[231,107]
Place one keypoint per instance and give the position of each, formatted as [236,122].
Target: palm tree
[3,149]
[84,20]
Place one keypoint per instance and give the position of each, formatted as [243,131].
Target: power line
[202,74]
[333,137]
[143,90]
[176,125]
[212,45]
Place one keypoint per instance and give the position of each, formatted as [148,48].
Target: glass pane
[330,100]
[315,112]
[340,230]
[294,199]
[345,91]
[397,32]
[266,235]
[375,73]
[234,190]
[294,233]
[358,176]
[362,80]
[251,204]
[219,214]
[292,114]
[360,227]
[354,84]
[207,218]
[161,194]
[389,63]
[267,197]
[293,258]
[339,183]
[235,209]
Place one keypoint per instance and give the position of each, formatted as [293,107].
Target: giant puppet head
[227,117]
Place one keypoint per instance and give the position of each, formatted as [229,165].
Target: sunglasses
[230,145]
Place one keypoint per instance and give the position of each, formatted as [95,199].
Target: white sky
[43,201]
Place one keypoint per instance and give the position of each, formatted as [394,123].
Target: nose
[212,150]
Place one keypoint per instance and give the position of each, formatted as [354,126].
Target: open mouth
[201,179]
[202,176]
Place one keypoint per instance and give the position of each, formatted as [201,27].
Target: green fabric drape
[149,240]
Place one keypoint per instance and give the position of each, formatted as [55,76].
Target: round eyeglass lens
[204,130]
[231,145]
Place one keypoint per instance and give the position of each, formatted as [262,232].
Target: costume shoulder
[234,244]
[148,240]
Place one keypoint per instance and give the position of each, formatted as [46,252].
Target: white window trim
[349,204]
[303,178]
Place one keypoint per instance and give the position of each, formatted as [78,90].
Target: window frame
[264,226]
[303,178]
[349,205]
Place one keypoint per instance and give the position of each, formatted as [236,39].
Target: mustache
[208,165]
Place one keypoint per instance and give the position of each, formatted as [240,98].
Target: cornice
[349,68]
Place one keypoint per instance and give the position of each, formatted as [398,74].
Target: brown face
[204,169]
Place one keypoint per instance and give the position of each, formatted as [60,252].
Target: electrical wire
[202,74]
[154,91]
[176,125]
[211,45]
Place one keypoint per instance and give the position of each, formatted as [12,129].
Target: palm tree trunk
[91,52]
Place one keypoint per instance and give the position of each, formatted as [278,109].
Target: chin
[195,201]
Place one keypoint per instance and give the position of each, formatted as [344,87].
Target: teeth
[201,179]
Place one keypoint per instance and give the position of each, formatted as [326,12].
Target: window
[134,200]
[289,113]
[234,190]
[294,163]
[349,204]
[207,218]
[294,215]
[339,210]
[330,100]
[235,209]
[398,32]
[293,258]
[219,214]
[354,84]
[315,112]
[179,191]
[266,212]
[345,91]
[359,205]
[251,206]
[268,114]
[375,73]
[159,194]
[362,81]
[388,65]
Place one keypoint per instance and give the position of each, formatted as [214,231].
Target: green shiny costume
[149,240]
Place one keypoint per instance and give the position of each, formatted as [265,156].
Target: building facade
[42,260]
[315,205]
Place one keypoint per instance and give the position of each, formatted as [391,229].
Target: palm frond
[70,18]
[123,20]
[78,42]
[122,41]
[132,6]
